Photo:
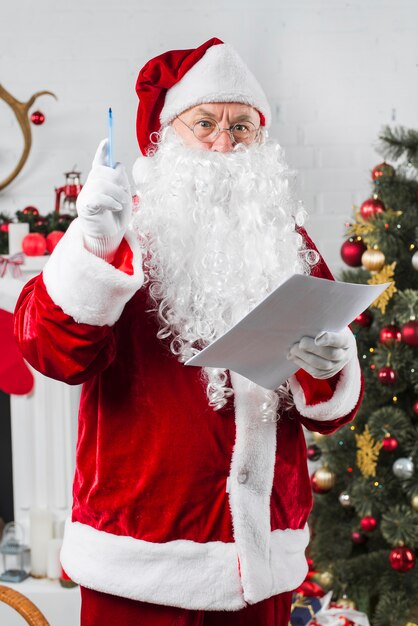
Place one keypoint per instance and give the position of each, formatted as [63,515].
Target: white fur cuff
[343,401]
[85,286]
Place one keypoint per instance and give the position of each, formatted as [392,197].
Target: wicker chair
[23,605]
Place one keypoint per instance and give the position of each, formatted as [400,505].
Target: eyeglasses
[207,130]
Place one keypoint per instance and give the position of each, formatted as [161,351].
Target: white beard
[219,231]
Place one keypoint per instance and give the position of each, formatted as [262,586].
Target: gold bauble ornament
[325,579]
[325,478]
[318,437]
[373,260]
[414,261]
[346,603]
[414,502]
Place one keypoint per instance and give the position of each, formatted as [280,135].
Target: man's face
[225,114]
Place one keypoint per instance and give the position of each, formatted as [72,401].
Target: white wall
[335,71]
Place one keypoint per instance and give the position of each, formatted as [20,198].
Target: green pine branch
[397,142]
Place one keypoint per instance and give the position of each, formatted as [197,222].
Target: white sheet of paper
[257,346]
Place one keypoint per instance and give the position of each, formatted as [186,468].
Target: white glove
[104,205]
[325,355]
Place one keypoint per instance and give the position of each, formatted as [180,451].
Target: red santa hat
[179,79]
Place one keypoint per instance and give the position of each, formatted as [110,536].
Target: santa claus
[191,492]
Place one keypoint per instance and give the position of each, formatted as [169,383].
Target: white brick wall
[335,71]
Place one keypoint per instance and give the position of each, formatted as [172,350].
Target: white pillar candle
[16,234]
[40,534]
[53,569]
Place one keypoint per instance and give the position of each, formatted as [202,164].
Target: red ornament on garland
[30,210]
[4,228]
[34,244]
[52,239]
[409,332]
[402,559]
[351,252]
[415,407]
[370,208]
[65,219]
[389,335]
[368,523]
[365,319]
[387,376]
[37,118]
[358,538]
[389,444]
[382,170]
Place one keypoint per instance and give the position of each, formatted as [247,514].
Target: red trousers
[101,609]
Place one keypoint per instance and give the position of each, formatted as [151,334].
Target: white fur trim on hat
[219,76]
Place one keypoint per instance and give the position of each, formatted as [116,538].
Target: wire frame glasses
[207,130]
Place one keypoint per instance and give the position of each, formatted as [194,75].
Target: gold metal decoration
[373,260]
[384,276]
[21,111]
[360,229]
[367,453]
[325,478]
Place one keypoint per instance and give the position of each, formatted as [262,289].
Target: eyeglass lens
[207,130]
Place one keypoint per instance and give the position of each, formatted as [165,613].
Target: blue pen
[110,136]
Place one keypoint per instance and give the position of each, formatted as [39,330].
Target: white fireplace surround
[44,430]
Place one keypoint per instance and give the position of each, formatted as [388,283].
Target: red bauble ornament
[387,376]
[37,118]
[52,239]
[381,170]
[409,332]
[389,335]
[30,210]
[368,523]
[402,559]
[4,228]
[358,538]
[41,221]
[314,452]
[352,251]
[415,407]
[34,244]
[309,589]
[365,319]
[389,444]
[370,208]
[315,487]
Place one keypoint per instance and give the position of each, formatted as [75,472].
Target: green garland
[43,224]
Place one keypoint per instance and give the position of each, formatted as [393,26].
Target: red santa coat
[174,503]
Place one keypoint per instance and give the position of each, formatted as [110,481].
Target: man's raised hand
[104,205]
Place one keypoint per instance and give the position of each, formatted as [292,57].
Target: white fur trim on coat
[250,485]
[343,401]
[85,286]
[219,76]
[178,573]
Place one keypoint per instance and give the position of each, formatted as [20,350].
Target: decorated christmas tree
[365,518]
